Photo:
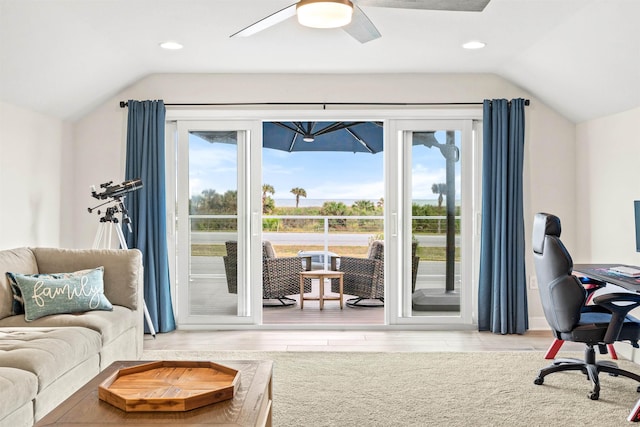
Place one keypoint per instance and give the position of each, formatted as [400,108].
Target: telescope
[116,191]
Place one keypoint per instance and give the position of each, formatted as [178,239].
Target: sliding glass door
[430,194]
[213,228]
[435,209]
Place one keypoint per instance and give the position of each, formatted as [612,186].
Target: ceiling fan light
[324,13]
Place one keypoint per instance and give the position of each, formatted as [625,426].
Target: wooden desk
[321,275]
[250,406]
[601,272]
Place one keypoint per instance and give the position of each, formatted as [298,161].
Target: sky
[323,175]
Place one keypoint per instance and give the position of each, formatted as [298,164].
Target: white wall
[99,138]
[31,147]
[608,180]
[549,185]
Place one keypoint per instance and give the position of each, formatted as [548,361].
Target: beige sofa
[44,361]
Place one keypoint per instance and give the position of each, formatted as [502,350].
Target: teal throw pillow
[17,306]
[46,294]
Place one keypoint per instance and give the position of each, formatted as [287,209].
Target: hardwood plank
[352,340]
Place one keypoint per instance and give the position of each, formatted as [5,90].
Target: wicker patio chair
[231,265]
[280,276]
[415,261]
[364,277]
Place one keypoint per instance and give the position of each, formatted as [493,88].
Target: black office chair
[563,298]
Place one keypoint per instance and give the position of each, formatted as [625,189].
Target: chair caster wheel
[594,395]
[540,380]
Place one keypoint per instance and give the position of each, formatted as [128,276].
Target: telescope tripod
[103,241]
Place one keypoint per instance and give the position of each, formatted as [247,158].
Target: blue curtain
[502,299]
[147,207]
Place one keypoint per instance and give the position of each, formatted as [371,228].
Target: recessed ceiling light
[474,44]
[171,45]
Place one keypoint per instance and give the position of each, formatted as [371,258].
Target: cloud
[423,179]
[350,190]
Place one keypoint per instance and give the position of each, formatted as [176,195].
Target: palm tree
[298,192]
[362,206]
[440,190]
[267,202]
[336,209]
[267,189]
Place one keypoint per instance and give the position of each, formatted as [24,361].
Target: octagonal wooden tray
[169,386]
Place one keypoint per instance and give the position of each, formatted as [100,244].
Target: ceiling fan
[348,15]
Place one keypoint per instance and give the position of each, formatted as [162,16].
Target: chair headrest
[376,250]
[544,225]
[267,250]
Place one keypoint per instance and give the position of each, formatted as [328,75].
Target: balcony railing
[342,235]
[319,232]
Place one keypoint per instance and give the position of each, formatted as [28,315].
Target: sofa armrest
[123,272]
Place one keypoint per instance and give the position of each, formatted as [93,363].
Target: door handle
[255,224]
[394,224]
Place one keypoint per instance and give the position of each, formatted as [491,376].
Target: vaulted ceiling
[64,57]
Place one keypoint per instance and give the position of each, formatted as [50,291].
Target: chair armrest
[333,264]
[294,264]
[591,284]
[360,265]
[618,312]
[305,261]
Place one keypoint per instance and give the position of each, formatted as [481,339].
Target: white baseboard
[538,324]
[628,352]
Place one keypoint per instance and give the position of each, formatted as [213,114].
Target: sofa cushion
[48,353]
[17,387]
[109,324]
[20,260]
[46,294]
[122,269]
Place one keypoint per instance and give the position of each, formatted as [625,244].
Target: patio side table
[321,275]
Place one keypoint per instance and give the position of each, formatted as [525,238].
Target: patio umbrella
[355,137]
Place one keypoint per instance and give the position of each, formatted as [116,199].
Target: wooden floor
[324,340]
[331,314]
[336,338]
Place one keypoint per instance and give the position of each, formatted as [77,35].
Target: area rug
[430,389]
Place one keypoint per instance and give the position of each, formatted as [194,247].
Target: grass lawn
[425,253]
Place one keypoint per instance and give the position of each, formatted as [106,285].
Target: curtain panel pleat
[145,159]
[502,293]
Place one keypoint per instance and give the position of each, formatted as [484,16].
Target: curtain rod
[124,104]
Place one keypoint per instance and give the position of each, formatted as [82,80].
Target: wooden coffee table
[321,275]
[250,406]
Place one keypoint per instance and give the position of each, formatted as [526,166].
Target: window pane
[436,210]
[213,213]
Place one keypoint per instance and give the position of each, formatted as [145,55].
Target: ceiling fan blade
[361,28]
[269,21]
[452,5]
